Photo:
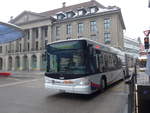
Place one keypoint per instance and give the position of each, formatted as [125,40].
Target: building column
[49,34]
[29,62]
[15,46]
[38,61]
[6,63]
[21,62]
[40,38]
[13,63]
[30,38]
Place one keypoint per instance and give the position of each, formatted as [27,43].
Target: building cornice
[35,21]
[25,12]
[91,16]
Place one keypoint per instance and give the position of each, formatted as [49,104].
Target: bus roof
[67,40]
[108,48]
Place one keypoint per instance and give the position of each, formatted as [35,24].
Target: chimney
[64,4]
[11,18]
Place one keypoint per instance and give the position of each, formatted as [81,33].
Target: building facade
[89,20]
[132,46]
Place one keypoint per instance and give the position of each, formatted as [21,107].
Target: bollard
[135,72]
[131,95]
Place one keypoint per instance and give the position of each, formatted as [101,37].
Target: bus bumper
[69,89]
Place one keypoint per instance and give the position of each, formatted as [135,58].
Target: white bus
[82,66]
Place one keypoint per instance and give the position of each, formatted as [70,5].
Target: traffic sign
[147,32]
[146,42]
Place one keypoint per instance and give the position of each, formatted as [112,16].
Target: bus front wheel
[103,84]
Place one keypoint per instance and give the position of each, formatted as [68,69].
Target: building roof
[23,13]
[131,39]
[72,8]
[52,14]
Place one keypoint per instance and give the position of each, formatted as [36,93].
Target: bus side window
[110,66]
[92,61]
[98,62]
[116,62]
[119,63]
[114,58]
[101,61]
[105,68]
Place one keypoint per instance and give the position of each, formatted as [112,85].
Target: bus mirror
[90,45]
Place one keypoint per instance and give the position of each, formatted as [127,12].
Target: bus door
[126,65]
[105,65]
[94,65]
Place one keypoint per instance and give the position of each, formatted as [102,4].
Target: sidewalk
[126,108]
[143,78]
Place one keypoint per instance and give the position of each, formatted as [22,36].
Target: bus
[142,63]
[131,61]
[81,66]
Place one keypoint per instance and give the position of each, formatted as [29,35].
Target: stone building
[89,19]
[132,46]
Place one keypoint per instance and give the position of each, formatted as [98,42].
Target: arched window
[1,63]
[17,62]
[25,63]
[9,63]
[43,64]
[34,62]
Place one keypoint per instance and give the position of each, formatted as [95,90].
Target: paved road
[27,95]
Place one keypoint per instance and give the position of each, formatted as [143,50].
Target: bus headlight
[84,81]
[47,80]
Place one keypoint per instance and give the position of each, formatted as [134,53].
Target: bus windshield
[66,59]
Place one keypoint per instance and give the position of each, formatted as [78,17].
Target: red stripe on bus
[95,85]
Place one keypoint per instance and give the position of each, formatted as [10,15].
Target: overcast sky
[136,13]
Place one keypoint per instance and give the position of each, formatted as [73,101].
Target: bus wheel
[103,84]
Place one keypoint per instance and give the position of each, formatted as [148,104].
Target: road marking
[17,83]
